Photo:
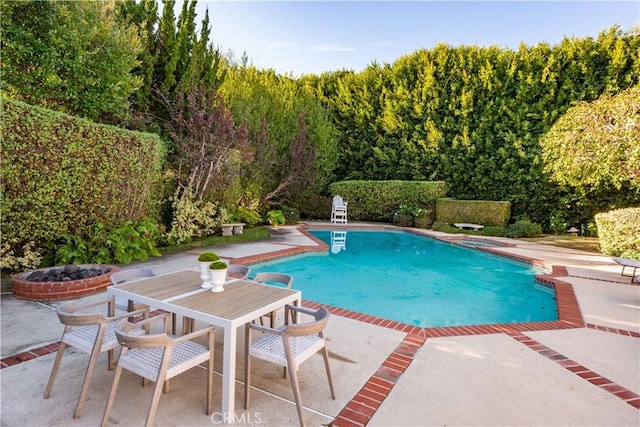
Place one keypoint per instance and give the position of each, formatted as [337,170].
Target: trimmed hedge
[619,232]
[485,212]
[61,173]
[379,200]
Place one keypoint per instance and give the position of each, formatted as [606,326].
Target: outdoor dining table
[241,301]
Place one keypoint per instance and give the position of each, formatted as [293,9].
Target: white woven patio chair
[288,346]
[273,278]
[238,271]
[91,333]
[159,357]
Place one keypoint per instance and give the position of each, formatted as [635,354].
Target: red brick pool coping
[362,407]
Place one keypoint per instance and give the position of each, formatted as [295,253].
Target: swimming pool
[417,280]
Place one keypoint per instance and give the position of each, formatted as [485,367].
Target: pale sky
[300,37]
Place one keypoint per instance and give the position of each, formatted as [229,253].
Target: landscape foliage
[72,56]
[380,200]
[61,174]
[473,117]
[490,122]
[619,232]
[485,212]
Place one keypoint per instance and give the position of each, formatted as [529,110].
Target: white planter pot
[205,275]
[218,278]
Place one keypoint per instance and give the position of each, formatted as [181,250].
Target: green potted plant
[218,270]
[205,259]
[242,214]
[208,257]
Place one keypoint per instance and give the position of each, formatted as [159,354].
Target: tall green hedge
[619,232]
[472,116]
[379,200]
[61,173]
[486,212]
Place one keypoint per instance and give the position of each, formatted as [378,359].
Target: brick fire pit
[61,290]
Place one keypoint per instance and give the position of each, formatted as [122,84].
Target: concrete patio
[385,374]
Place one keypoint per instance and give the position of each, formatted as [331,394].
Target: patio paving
[385,374]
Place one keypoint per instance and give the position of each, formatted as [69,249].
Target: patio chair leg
[88,375]
[325,355]
[112,395]
[54,370]
[112,360]
[154,403]
[293,375]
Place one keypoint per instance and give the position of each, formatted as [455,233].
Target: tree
[143,15]
[210,147]
[294,172]
[291,137]
[175,58]
[597,144]
[472,116]
[74,57]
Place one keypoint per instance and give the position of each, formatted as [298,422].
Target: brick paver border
[594,378]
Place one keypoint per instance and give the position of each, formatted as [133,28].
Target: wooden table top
[182,289]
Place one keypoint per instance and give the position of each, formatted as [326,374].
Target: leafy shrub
[409,216]
[494,230]
[406,210]
[195,218]
[590,229]
[315,207]
[524,228]
[443,227]
[122,245]
[423,218]
[405,216]
[60,174]
[403,220]
[77,57]
[557,224]
[595,144]
[242,214]
[619,232]
[28,259]
[275,217]
[291,215]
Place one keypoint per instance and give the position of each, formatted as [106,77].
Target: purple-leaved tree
[209,146]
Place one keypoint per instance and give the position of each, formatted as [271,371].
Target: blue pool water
[417,280]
